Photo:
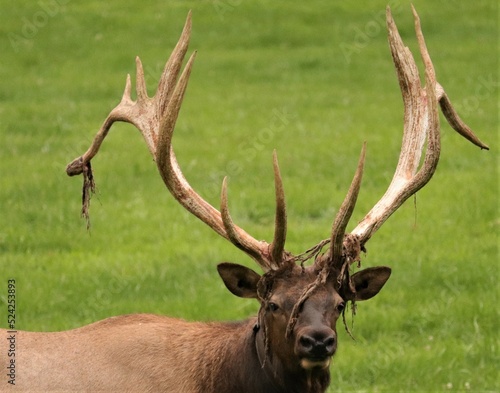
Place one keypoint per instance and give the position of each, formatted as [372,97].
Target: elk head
[299,304]
[296,332]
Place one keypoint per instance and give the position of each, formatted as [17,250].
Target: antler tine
[239,238]
[335,254]
[172,68]
[166,87]
[274,259]
[454,120]
[421,124]
[143,123]
[278,245]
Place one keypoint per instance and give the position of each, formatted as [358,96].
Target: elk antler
[421,123]
[155,118]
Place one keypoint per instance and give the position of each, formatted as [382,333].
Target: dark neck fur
[242,370]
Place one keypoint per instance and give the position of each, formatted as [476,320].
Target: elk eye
[341,307]
[273,307]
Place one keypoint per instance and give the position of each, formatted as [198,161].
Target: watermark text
[11,333]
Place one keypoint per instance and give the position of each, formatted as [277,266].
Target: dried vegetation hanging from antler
[88,189]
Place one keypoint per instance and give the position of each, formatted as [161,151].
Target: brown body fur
[140,352]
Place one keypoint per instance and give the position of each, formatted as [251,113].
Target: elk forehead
[286,287]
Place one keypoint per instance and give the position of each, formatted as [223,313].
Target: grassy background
[311,79]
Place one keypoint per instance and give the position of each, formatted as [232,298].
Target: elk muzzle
[315,347]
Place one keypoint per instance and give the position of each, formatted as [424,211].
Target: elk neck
[279,377]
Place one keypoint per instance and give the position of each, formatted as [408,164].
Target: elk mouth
[315,363]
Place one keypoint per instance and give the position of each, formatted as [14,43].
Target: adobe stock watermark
[12,332]
[363,35]
[222,7]
[31,26]
[103,295]
[250,147]
[486,89]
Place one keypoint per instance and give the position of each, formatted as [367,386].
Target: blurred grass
[313,80]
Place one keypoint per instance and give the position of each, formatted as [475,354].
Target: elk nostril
[307,342]
[329,341]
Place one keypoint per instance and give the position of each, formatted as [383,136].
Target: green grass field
[311,79]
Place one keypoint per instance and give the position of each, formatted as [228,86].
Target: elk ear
[240,280]
[369,282]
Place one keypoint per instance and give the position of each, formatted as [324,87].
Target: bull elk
[288,346]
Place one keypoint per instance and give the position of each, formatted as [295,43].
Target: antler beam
[421,125]
[155,118]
